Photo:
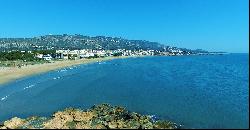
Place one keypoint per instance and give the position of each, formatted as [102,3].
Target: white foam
[102,62]
[4,98]
[63,70]
[56,78]
[30,86]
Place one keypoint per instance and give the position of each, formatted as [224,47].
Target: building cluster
[89,53]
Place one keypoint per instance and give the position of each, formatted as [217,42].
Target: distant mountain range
[56,42]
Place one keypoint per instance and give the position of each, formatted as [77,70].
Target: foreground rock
[98,117]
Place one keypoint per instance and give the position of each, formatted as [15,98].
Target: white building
[86,55]
[40,56]
[101,53]
[47,57]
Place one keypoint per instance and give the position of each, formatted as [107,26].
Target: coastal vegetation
[16,55]
[22,58]
[24,55]
[103,116]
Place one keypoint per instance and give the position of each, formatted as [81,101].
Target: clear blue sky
[213,25]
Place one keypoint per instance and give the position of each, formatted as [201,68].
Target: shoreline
[10,74]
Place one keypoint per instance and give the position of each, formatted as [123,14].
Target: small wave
[30,86]
[102,62]
[4,98]
[56,78]
[62,70]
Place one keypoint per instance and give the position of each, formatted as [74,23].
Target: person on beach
[19,66]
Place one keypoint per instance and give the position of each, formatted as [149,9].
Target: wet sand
[8,74]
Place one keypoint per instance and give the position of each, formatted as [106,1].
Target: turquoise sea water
[195,91]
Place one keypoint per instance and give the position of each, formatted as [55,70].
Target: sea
[209,91]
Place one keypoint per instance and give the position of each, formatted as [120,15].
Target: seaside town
[89,53]
[51,55]
[72,47]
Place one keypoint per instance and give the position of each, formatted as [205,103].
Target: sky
[213,25]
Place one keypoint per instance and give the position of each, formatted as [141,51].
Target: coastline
[9,74]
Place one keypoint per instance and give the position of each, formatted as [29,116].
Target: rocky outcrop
[13,123]
[103,116]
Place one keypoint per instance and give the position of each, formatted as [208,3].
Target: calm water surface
[196,91]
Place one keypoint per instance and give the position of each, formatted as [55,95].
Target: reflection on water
[196,91]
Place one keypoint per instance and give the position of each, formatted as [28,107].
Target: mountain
[77,41]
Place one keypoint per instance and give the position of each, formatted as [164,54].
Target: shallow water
[196,91]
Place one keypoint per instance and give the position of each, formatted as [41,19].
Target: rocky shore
[103,116]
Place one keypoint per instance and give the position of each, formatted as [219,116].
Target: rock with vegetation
[103,116]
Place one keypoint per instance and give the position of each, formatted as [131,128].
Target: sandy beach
[8,74]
